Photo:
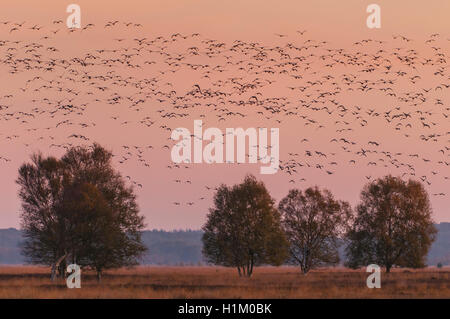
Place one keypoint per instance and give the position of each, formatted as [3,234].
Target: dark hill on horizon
[184,247]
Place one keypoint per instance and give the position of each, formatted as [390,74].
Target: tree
[41,189]
[393,225]
[314,223]
[243,228]
[79,209]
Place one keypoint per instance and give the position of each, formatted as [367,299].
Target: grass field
[216,282]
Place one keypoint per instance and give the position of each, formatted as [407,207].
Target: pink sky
[339,23]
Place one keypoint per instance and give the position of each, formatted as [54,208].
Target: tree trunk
[99,276]
[62,269]
[246,270]
[388,268]
[305,270]
[56,267]
[53,275]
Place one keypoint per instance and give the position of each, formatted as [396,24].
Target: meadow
[218,282]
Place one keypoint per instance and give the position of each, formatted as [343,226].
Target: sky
[318,72]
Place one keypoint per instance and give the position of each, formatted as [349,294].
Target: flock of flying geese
[158,83]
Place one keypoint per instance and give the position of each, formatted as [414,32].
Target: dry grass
[217,282]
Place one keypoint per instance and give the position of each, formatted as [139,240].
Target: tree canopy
[79,209]
[314,223]
[393,225]
[243,228]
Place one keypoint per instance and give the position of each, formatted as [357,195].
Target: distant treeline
[179,248]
